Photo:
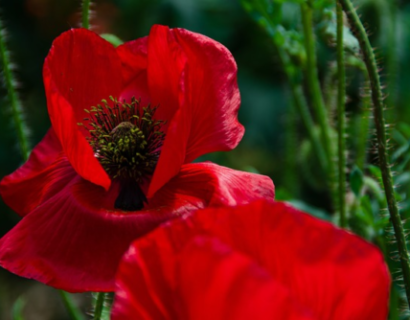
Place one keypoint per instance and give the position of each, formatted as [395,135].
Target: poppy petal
[71,243]
[74,240]
[210,281]
[199,185]
[38,179]
[80,70]
[75,146]
[84,68]
[134,60]
[212,95]
[327,270]
[166,63]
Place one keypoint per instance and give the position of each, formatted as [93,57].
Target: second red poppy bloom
[126,123]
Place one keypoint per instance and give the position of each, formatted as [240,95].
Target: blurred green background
[275,141]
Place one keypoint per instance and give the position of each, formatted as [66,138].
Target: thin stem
[377,98]
[15,104]
[341,115]
[312,77]
[99,305]
[291,146]
[86,14]
[73,311]
[316,93]
[391,59]
[303,110]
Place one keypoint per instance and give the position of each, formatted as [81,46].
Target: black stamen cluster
[125,138]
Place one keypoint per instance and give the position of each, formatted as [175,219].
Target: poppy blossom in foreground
[126,123]
[264,260]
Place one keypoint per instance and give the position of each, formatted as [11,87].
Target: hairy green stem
[316,94]
[86,14]
[12,96]
[73,311]
[341,115]
[99,305]
[377,99]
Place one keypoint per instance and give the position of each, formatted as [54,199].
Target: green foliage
[111,38]
[327,28]
[18,309]
[356,180]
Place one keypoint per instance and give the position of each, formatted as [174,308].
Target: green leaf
[113,39]
[373,186]
[376,172]
[17,309]
[404,128]
[356,180]
[292,1]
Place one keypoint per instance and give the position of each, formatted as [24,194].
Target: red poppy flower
[126,123]
[263,260]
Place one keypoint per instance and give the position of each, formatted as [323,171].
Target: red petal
[80,70]
[75,239]
[212,95]
[207,119]
[84,68]
[216,282]
[134,60]
[328,271]
[71,242]
[133,55]
[210,282]
[166,62]
[199,185]
[38,179]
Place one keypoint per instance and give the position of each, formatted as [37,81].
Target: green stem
[73,311]
[12,95]
[391,59]
[302,108]
[363,130]
[291,146]
[99,305]
[316,93]
[86,14]
[377,98]
[341,115]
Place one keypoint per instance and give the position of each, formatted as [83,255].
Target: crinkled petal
[166,63]
[80,70]
[207,118]
[71,242]
[74,240]
[199,185]
[36,180]
[327,271]
[134,59]
[212,96]
[84,68]
[211,281]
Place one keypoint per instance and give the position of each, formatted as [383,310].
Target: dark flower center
[127,141]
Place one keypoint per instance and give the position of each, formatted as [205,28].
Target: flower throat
[127,142]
